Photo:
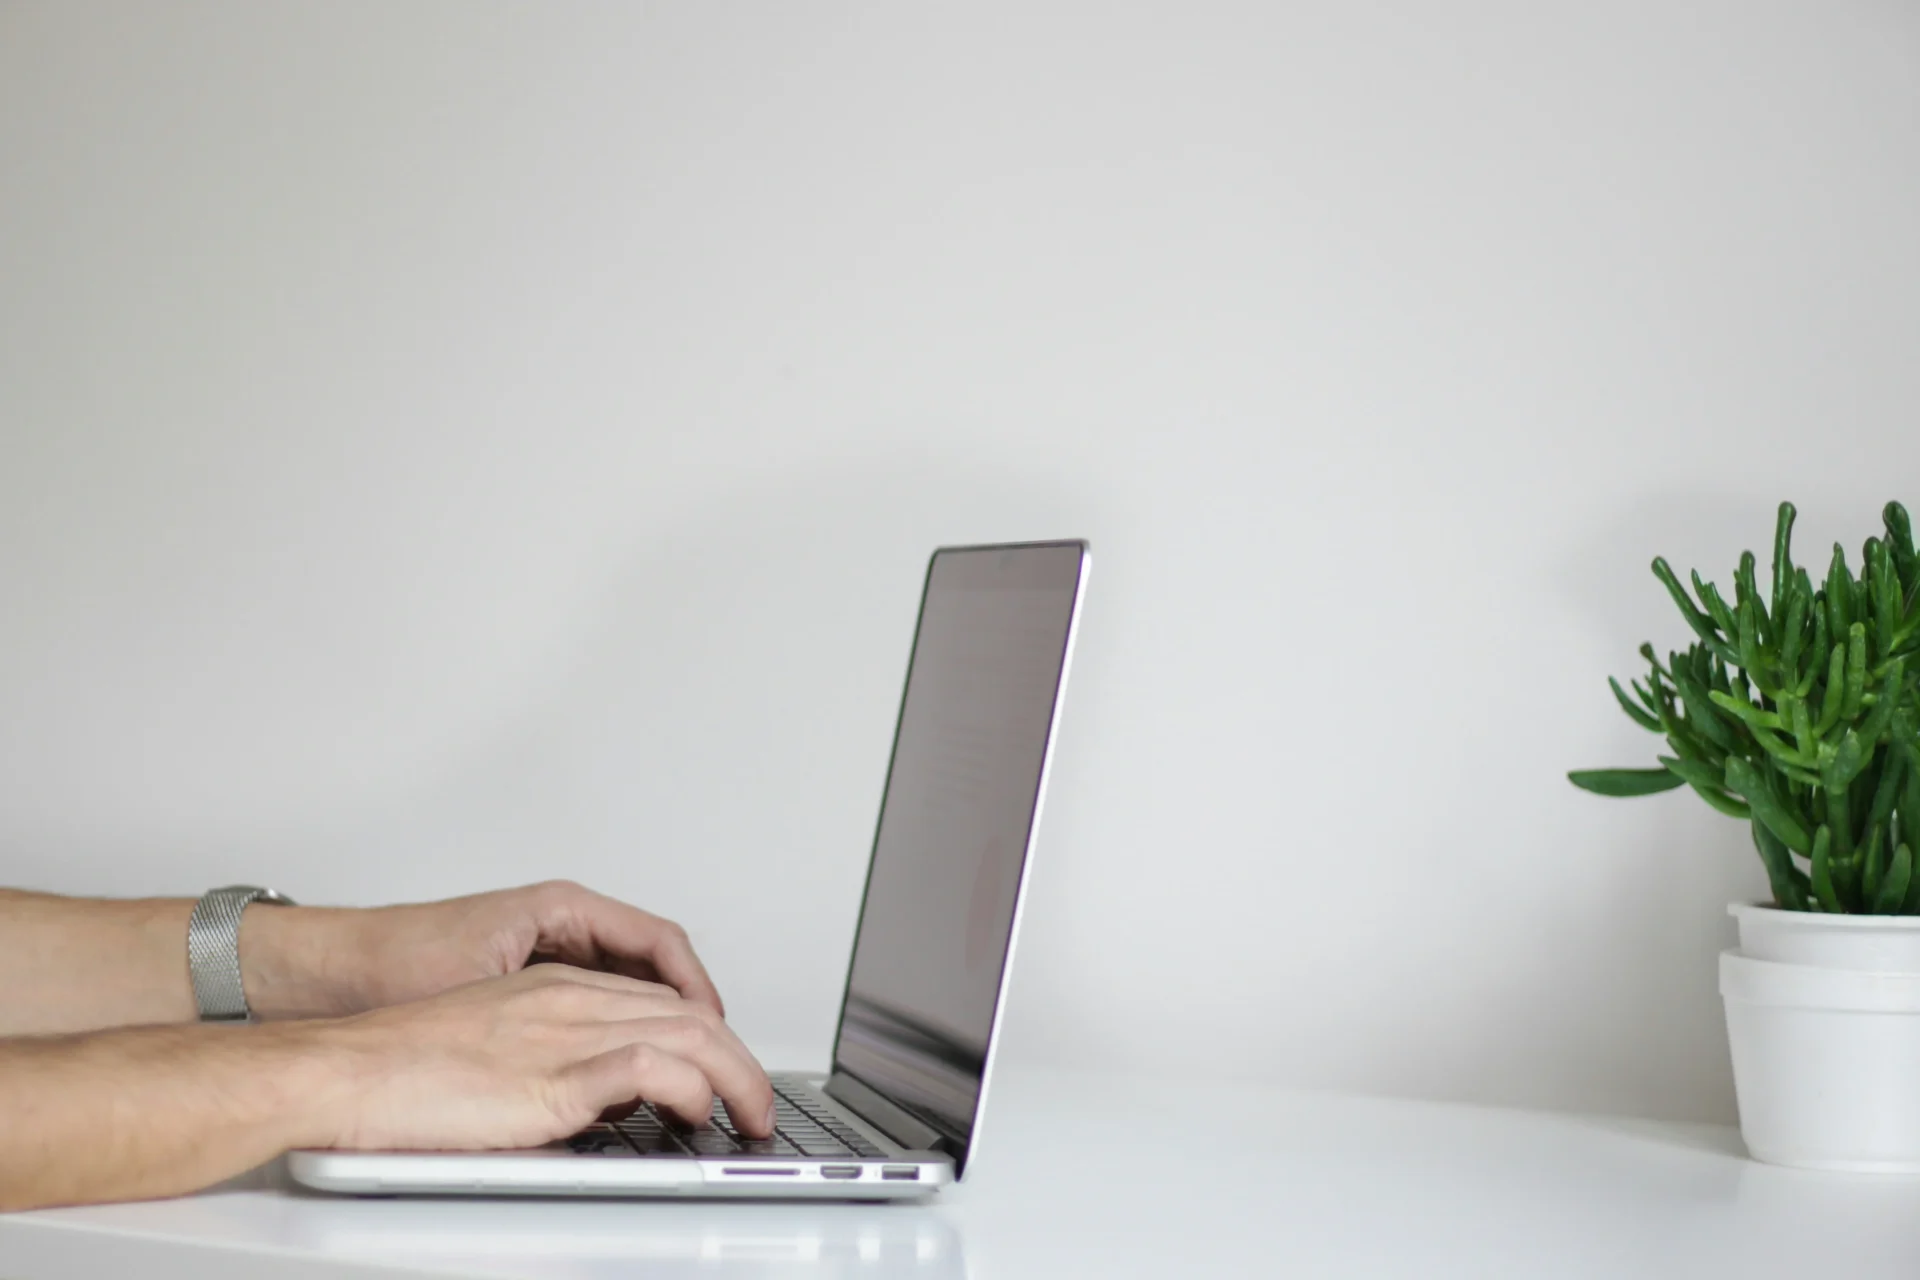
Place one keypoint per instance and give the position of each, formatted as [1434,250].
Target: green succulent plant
[1795,711]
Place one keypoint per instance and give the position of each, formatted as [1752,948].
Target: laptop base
[604,1161]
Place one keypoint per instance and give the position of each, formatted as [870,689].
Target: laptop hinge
[901,1128]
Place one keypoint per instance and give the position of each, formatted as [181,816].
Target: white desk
[1091,1177]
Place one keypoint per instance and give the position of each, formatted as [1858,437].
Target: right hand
[521,1060]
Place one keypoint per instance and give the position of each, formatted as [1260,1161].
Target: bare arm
[76,964]
[73,964]
[505,1062]
[152,1111]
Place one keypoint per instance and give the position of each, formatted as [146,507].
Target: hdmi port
[840,1171]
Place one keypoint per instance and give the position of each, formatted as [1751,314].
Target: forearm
[76,964]
[84,964]
[159,1111]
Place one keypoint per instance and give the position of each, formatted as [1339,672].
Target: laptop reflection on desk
[693,1239]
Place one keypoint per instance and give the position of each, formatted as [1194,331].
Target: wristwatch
[213,949]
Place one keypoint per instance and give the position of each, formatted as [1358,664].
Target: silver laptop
[900,1113]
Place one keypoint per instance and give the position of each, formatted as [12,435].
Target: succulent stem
[1796,712]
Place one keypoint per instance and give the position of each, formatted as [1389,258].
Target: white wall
[449,446]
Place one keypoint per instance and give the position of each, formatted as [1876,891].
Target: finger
[579,1006]
[625,1019]
[709,1044]
[619,1111]
[639,1071]
[584,926]
[555,974]
[628,1008]
[673,958]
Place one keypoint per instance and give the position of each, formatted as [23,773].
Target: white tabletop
[1101,1176]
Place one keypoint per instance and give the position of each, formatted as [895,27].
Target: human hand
[304,962]
[524,1059]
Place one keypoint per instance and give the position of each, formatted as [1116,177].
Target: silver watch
[213,949]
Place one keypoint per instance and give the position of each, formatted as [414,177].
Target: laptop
[899,1114]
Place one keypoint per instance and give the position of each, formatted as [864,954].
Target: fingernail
[770,1114]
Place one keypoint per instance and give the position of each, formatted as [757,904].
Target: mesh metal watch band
[213,950]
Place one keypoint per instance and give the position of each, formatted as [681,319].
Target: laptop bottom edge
[542,1172]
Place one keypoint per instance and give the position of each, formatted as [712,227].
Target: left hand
[305,962]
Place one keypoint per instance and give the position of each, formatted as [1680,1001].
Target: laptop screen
[956,821]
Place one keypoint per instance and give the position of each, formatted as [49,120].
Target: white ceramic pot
[1878,944]
[1825,1056]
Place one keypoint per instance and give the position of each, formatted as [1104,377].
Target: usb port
[840,1171]
[901,1173]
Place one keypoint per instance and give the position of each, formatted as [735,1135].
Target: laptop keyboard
[804,1126]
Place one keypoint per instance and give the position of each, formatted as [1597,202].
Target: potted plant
[1797,710]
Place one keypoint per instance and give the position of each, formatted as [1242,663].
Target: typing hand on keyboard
[522,1060]
[806,1127]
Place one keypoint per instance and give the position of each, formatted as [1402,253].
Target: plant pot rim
[1825,920]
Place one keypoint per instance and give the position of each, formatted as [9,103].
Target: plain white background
[452,445]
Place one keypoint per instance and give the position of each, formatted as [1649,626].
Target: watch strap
[213,949]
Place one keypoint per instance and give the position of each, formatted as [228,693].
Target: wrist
[315,1081]
[296,962]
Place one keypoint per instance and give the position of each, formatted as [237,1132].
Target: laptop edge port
[840,1171]
[901,1173]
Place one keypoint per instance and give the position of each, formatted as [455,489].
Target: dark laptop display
[958,815]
